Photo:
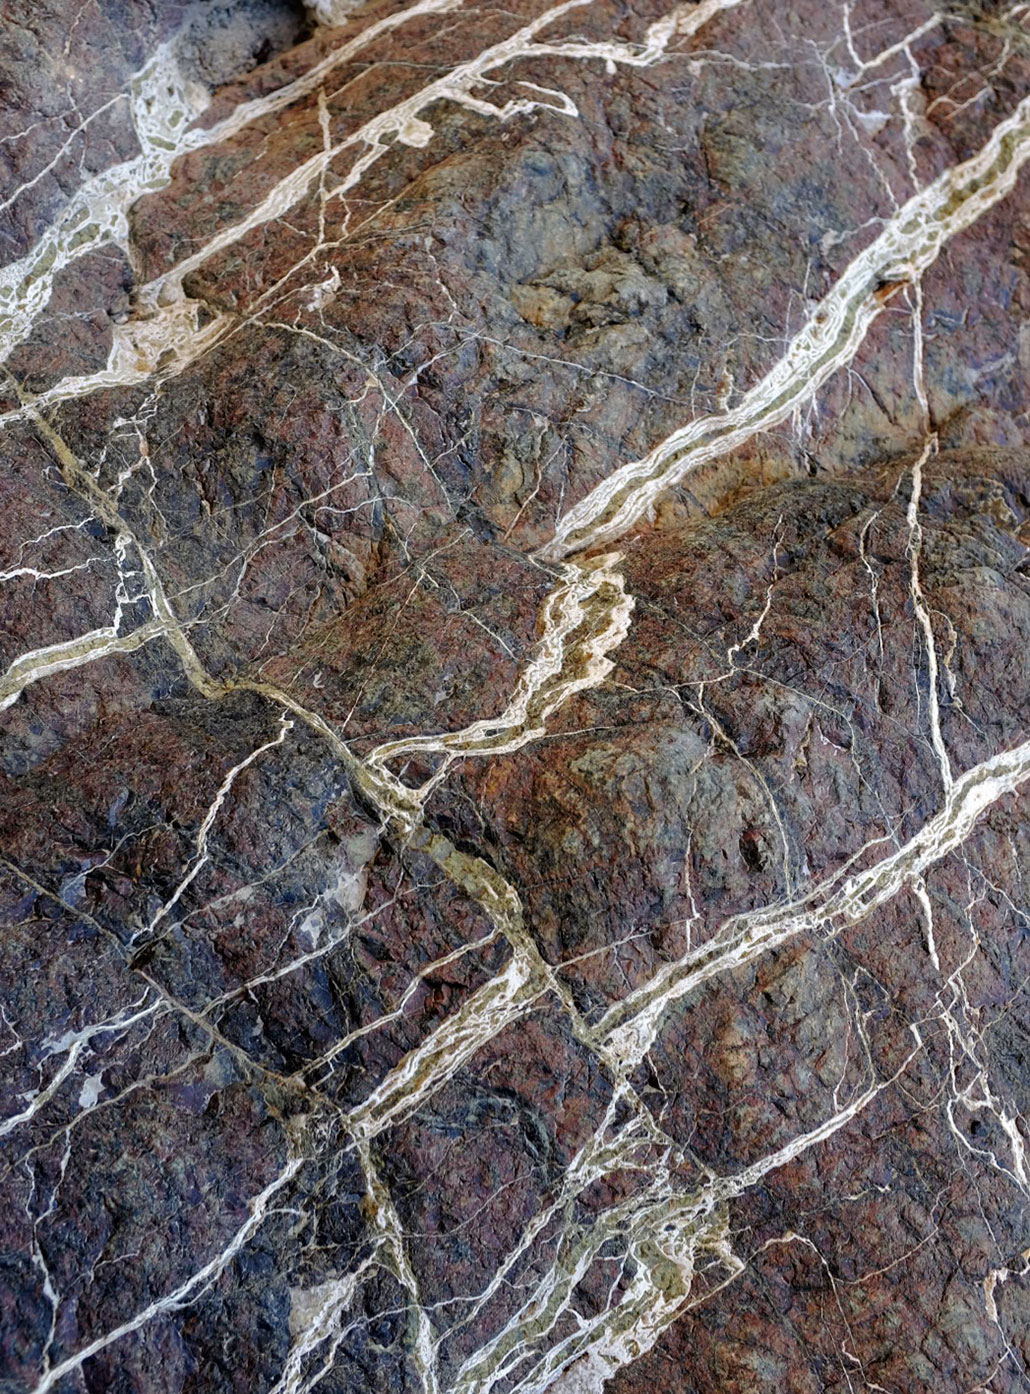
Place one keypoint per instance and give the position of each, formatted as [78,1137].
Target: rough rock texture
[515,626]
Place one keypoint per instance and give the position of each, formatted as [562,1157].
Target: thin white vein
[389,1233]
[187,1291]
[630,1026]
[44,1096]
[320,1328]
[405,121]
[171,334]
[663,1233]
[915,547]
[162,105]
[908,244]
[504,999]
[201,856]
[37,664]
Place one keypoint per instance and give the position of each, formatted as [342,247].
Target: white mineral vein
[187,1291]
[163,105]
[909,243]
[630,1026]
[662,1232]
[171,333]
[583,619]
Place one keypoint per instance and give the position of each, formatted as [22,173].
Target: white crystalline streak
[909,243]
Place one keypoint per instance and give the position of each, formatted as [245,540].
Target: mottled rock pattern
[514,660]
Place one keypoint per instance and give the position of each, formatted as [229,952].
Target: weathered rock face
[516,643]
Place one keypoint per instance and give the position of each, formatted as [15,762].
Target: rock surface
[516,638]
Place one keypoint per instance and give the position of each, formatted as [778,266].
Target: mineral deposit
[515,690]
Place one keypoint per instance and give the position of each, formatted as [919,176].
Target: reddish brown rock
[459,937]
